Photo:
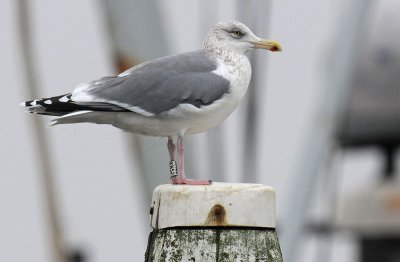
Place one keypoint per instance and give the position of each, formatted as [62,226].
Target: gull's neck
[222,50]
[235,62]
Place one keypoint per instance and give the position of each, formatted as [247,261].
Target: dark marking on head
[236,32]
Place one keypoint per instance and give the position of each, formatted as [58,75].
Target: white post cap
[219,204]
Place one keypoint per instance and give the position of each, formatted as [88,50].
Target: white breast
[238,72]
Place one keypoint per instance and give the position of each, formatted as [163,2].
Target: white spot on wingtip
[64,99]
[33,103]
[48,102]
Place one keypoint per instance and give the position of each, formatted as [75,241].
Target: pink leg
[181,178]
[171,148]
[172,163]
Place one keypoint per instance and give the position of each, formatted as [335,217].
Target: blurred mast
[41,144]
[215,137]
[320,137]
[137,35]
[255,14]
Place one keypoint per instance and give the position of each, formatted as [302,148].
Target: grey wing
[161,85]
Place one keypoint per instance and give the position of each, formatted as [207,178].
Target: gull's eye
[237,33]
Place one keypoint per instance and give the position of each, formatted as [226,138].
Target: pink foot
[178,174]
[187,181]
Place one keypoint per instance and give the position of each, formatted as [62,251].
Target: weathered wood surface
[213,244]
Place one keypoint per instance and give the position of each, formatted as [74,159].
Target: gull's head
[235,36]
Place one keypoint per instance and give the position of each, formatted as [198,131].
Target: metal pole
[40,141]
[325,122]
[216,142]
[244,14]
[252,13]
[137,35]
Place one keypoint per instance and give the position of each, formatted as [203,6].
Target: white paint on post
[219,204]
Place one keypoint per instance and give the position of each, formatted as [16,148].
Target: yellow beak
[268,45]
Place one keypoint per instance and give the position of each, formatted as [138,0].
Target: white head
[236,37]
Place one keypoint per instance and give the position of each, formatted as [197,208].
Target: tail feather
[63,104]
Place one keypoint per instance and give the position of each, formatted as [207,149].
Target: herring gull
[172,96]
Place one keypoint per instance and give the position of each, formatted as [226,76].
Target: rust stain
[123,63]
[216,216]
[392,203]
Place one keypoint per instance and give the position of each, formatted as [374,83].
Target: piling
[220,222]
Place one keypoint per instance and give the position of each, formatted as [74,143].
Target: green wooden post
[221,222]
